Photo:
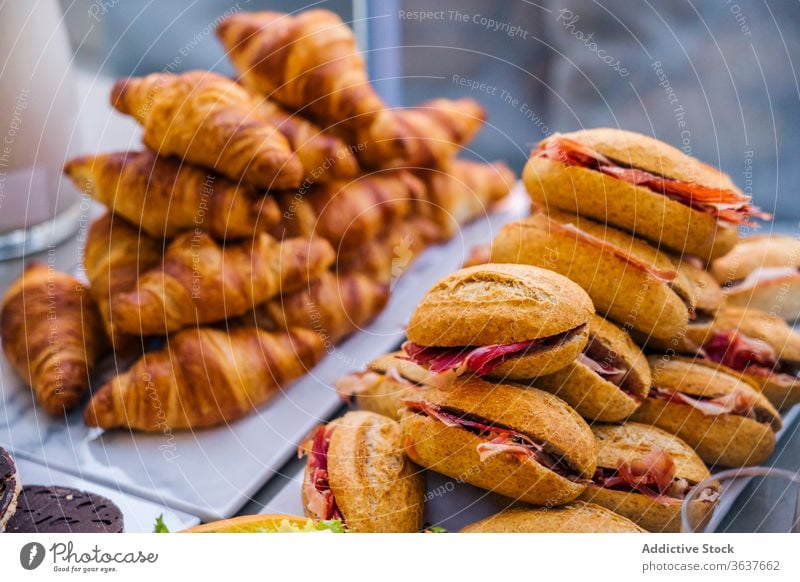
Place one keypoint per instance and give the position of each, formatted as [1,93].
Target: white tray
[212,473]
[139,514]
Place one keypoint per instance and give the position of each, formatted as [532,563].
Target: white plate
[212,473]
[139,514]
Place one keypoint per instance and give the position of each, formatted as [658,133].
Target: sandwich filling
[724,204]
[736,403]
[361,382]
[748,355]
[611,368]
[762,275]
[481,360]
[320,501]
[653,475]
[497,439]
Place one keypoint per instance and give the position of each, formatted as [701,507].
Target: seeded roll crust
[501,305]
[724,418]
[370,484]
[643,455]
[630,281]
[607,381]
[520,442]
[646,212]
[577,517]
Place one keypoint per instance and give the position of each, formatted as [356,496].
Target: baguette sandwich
[577,517]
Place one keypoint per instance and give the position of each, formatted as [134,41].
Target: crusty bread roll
[577,517]
[519,442]
[357,472]
[500,305]
[724,418]
[609,379]
[581,188]
[632,446]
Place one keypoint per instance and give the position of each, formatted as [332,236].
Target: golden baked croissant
[200,281]
[425,136]
[324,156]
[333,306]
[166,197]
[209,120]
[309,62]
[52,335]
[203,377]
[116,254]
[349,213]
[388,256]
[464,191]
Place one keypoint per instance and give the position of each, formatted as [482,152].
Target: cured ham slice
[725,204]
[740,352]
[317,492]
[735,402]
[481,360]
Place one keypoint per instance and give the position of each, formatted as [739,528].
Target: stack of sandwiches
[589,366]
[261,222]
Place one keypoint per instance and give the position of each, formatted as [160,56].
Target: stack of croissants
[261,223]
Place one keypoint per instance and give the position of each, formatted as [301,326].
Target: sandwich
[10,488]
[505,321]
[383,386]
[577,517]
[268,523]
[705,291]
[357,474]
[607,381]
[628,280]
[722,417]
[763,272]
[519,442]
[641,185]
[755,345]
[644,473]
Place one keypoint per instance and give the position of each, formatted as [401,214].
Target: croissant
[309,62]
[52,335]
[209,120]
[464,191]
[425,136]
[324,156]
[349,213]
[200,281]
[203,377]
[166,197]
[386,258]
[115,255]
[333,306]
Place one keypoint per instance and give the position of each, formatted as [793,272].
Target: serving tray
[212,473]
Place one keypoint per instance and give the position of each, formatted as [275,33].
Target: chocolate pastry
[44,509]
[9,488]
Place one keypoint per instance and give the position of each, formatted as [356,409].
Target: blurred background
[716,79]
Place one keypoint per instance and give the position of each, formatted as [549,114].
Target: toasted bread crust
[647,513]
[632,208]
[706,291]
[626,294]
[577,517]
[376,488]
[754,252]
[545,361]
[498,304]
[527,410]
[453,452]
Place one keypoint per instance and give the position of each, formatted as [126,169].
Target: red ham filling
[737,403]
[479,360]
[652,475]
[749,355]
[319,497]
[499,439]
[724,204]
